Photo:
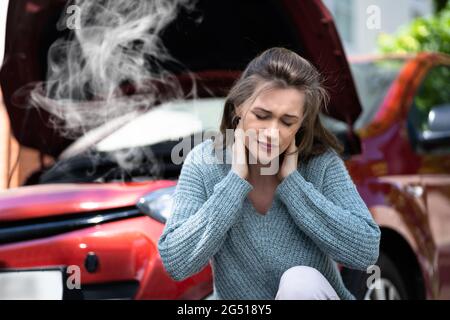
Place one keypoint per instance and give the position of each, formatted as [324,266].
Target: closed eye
[266,117]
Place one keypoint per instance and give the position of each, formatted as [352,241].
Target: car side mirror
[438,132]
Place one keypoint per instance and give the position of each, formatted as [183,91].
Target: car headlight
[157,204]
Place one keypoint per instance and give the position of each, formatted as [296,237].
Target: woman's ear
[236,117]
[235,120]
[238,111]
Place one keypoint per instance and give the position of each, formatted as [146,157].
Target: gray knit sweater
[317,218]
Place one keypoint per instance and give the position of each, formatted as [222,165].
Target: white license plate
[31,285]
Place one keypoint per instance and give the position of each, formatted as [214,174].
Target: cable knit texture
[317,218]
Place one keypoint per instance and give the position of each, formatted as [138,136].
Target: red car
[403,169]
[87,218]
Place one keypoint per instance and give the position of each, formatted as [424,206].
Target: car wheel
[390,285]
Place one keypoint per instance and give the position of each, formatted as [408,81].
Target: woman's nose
[271,135]
[272,126]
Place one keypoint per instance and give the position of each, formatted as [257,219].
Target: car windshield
[373,80]
[170,121]
[167,122]
[136,146]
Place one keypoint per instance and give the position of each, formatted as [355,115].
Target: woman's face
[271,122]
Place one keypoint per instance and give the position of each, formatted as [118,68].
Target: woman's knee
[305,283]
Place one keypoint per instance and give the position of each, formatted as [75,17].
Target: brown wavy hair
[282,68]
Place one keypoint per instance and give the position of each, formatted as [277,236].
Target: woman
[271,231]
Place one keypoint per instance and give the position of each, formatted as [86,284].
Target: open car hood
[30,29]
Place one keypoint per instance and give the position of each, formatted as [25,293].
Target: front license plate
[31,284]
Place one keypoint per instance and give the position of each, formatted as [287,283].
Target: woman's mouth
[266,146]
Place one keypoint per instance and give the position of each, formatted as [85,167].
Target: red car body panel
[127,250]
[60,199]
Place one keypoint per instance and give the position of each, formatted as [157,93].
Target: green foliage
[422,34]
[425,34]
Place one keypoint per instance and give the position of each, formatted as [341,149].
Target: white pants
[305,283]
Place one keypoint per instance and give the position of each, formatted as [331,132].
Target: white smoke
[115,45]
[116,42]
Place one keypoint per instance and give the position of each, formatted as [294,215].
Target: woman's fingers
[292,147]
[239,153]
[290,162]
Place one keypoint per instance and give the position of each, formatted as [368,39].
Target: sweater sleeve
[337,220]
[198,225]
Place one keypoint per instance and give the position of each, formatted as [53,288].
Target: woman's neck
[256,173]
